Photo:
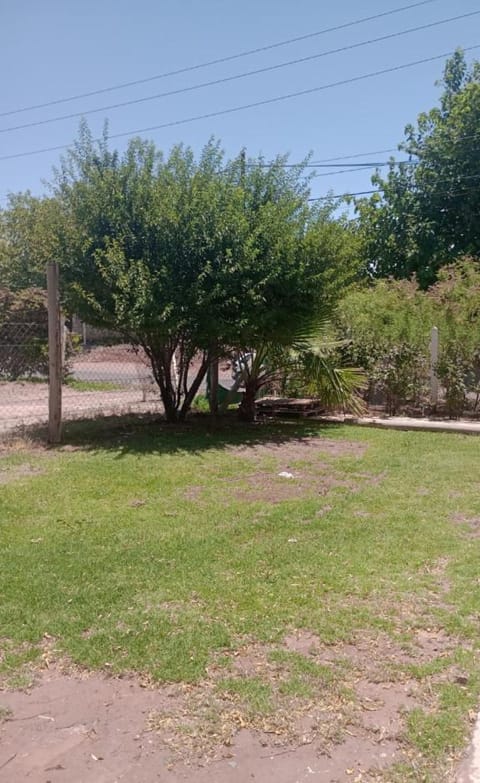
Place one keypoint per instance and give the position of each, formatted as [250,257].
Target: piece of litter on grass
[292,540]
[285,474]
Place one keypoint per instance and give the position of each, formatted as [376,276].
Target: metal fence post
[433,367]
[55,363]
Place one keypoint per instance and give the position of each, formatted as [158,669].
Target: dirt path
[96,730]
[27,403]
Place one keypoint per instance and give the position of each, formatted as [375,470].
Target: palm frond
[335,386]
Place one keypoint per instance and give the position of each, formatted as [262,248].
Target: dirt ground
[27,403]
[97,729]
[298,469]
[69,726]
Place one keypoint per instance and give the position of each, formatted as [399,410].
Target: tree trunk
[213,378]
[171,413]
[161,374]
[192,391]
[247,409]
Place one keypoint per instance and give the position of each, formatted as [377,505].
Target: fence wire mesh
[108,379]
[98,379]
[23,373]
[102,376]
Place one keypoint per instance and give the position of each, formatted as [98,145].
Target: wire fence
[98,379]
[81,372]
[107,379]
[23,373]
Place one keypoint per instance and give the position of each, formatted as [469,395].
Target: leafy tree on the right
[427,210]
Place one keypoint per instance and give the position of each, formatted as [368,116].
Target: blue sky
[58,48]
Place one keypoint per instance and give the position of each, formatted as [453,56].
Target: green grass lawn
[167,551]
[92,386]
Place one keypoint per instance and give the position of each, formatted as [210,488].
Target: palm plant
[305,356]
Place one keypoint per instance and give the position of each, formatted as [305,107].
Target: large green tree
[29,235]
[426,211]
[187,258]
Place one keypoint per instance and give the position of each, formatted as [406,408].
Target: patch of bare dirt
[303,642]
[273,488]
[297,471]
[301,449]
[470,524]
[15,472]
[384,706]
[96,730]
[78,730]
[76,727]
[382,659]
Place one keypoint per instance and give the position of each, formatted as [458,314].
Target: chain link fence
[23,373]
[87,373]
[108,378]
[99,379]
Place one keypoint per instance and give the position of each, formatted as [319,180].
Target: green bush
[388,325]
[387,333]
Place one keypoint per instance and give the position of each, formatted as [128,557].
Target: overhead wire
[219,60]
[379,190]
[252,105]
[323,163]
[236,77]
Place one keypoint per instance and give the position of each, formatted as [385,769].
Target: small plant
[201,404]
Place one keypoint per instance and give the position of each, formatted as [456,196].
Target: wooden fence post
[55,355]
[433,367]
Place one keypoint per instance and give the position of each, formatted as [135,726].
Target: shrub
[387,329]
[388,326]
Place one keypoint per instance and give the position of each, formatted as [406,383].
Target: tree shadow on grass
[151,434]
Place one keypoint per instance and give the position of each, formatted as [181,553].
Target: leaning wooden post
[433,367]
[55,363]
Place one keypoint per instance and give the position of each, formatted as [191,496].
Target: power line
[365,168]
[380,152]
[359,155]
[380,190]
[357,166]
[253,105]
[236,77]
[219,60]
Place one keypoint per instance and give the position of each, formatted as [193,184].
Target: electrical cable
[235,77]
[219,60]
[253,105]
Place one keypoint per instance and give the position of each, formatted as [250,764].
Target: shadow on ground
[150,434]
